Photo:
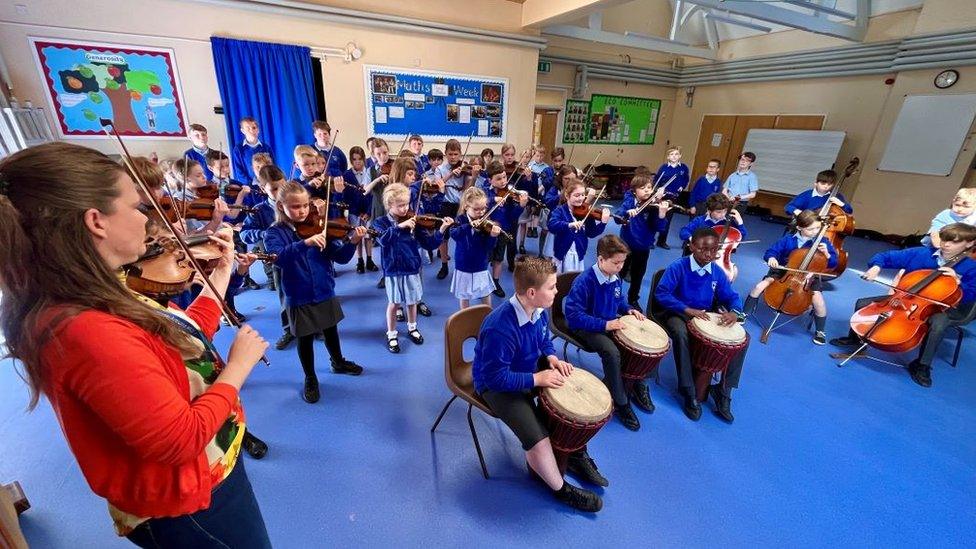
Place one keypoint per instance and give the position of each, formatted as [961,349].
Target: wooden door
[548,120]
[799,122]
[743,124]
[713,142]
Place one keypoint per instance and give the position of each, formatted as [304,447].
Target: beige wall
[627,155]
[187,26]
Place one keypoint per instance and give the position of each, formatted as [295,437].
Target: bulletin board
[576,121]
[617,120]
[437,105]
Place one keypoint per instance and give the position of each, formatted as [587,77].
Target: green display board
[611,120]
[576,121]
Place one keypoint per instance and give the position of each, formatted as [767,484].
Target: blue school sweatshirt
[306,271]
[685,284]
[472,246]
[593,300]
[508,348]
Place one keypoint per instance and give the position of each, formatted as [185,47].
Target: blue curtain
[273,84]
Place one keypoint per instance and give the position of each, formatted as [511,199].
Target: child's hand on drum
[696,313]
[613,325]
[637,314]
[548,378]
[560,366]
[728,318]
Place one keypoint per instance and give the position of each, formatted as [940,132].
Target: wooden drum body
[575,412]
[712,348]
[642,345]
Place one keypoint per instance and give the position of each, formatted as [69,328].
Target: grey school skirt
[313,318]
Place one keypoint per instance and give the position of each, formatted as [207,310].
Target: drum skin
[642,345]
[576,411]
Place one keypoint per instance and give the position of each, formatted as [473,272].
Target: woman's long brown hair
[48,258]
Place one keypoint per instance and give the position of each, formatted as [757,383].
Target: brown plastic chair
[460,327]
[557,317]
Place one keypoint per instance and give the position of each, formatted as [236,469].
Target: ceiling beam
[630,40]
[792,18]
[537,13]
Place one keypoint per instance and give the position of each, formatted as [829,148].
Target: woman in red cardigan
[149,409]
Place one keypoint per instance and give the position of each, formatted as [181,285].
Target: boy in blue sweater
[513,356]
[198,152]
[244,152]
[593,307]
[691,286]
[705,186]
[815,198]
[323,145]
[416,145]
[717,208]
[637,230]
[955,239]
[506,212]
[674,176]
[808,226]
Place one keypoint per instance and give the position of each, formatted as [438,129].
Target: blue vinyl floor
[818,456]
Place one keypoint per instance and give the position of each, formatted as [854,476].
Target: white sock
[411,326]
[391,335]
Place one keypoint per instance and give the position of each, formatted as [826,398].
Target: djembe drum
[642,344]
[575,412]
[712,348]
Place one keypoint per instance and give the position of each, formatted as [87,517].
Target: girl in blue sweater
[400,241]
[571,234]
[307,282]
[473,246]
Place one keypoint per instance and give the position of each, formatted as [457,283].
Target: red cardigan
[122,397]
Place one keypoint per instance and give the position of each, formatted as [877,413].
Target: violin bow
[127,160]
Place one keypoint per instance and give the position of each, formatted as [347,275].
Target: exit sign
[544,66]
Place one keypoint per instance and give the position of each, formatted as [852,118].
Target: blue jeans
[233,521]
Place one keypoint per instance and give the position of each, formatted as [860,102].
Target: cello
[839,223]
[898,323]
[791,294]
[729,238]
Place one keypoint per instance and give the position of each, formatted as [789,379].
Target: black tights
[306,351]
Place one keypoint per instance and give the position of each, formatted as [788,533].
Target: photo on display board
[494,111]
[414,104]
[452,113]
[494,128]
[479,111]
[491,93]
[384,84]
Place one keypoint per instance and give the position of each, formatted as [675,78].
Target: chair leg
[477,445]
[955,354]
[444,411]
[565,350]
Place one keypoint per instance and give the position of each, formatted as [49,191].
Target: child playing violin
[674,176]
[505,205]
[717,209]
[453,173]
[689,287]
[808,226]
[637,230]
[357,177]
[190,175]
[572,233]
[473,246]
[593,309]
[513,356]
[307,281]
[954,239]
[399,238]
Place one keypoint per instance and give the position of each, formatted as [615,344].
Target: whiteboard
[787,161]
[929,134]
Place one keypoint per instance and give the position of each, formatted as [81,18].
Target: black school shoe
[416,336]
[284,341]
[348,367]
[583,467]
[442,273]
[846,341]
[921,373]
[370,266]
[382,283]
[498,289]
[311,392]
[255,447]
[578,498]
[692,408]
[423,309]
[625,413]
[723,404]
[361,266]
[641,396]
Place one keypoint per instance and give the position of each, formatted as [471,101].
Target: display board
[576,121]
[787,161]
[929,133]
[137,87]
[619,120]
[437,105]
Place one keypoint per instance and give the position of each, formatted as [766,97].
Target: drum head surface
[645,335]
[726,334]
[583,397]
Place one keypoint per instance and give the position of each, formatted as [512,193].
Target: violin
[840,224]
[201,208]
[164,268]
[898,323]
[486,226]
[386,168]
[464,167]
[584,212]
[791,294]
[516,194]
[334,229]
[424,221]
[729,238]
